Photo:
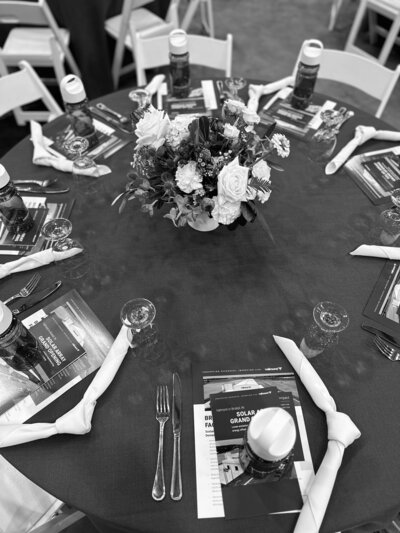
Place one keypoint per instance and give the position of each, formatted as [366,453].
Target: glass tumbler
[329,319]
[138,315]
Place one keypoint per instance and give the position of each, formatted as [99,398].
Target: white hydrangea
[179,130]
[188,177]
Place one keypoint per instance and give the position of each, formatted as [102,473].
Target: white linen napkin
[42,156]
[362,134]
[78,419]
[155,84]
[371,250]
[36,260]
[256,91]
[341,433]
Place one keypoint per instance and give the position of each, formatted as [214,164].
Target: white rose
[231,132]
[250,117]
[225,212]
[263,196]
[261,171]
[188,177]
[232,182]
[179,130]
[152,128]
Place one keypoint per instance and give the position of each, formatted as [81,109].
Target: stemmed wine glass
[142,99]
[57,231]
[322,144]
[138,315]
[390,220]
[234,85]
[329,319]
[83,167]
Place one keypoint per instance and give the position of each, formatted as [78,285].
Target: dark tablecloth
[220,296]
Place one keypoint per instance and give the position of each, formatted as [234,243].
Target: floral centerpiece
[203,167]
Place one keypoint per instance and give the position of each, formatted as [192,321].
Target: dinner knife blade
[41,190]
[176,479]
[39,297]
[371,329]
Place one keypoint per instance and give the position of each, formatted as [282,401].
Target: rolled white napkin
[371,250]
[341,433]
[256,91]
[155,84]
[36,260]
[362,134]
[78,420]
[42,156]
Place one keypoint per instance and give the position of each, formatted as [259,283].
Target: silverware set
[39,186]
[29,289]
[391,351]
[163,411]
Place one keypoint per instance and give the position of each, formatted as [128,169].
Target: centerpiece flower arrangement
[203,167]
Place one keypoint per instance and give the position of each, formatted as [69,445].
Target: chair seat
[28,43]
[142,20]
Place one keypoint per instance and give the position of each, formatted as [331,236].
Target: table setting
[213,295]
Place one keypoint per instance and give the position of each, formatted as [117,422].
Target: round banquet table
[220,296]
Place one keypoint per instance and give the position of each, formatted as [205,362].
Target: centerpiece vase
[204,222]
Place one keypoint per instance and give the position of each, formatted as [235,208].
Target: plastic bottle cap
[72,89]
[311,52]
[271,433]
[178,42]
[6,317]
[4,177]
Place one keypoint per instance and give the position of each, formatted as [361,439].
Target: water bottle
[268,444]
[18,347]
[76,107]
[179,69]
[13,212]
[307,72]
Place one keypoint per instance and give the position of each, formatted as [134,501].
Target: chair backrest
[204,51]
[36,13]
[23,87]
[359,72]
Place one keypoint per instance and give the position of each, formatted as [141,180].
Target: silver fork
[162,415]
[25,291]
[389,351]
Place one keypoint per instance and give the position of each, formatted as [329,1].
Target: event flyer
[376,173]
[74,342]
[209,380]
[200,101]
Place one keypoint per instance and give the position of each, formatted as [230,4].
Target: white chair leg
[191,10]
[336,5]
[349,47]
[207,17]
[390,40]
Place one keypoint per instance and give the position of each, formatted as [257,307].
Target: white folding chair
[23,87]
[390,9]
[206,14]
[204,51]
[137,20]
[26,508]
[359,72]
[45,46]
[335,8]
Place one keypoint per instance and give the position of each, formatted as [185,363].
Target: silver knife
[176,480]
[39,297]
[41,190]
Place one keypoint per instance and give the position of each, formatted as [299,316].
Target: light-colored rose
[263,196]
[179,130]
[234,106]
[232,182]
[152,128]
[261,170]
[225,212]
[188,177]
[231,132]
[250,117]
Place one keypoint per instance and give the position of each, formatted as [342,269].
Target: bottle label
[82,122]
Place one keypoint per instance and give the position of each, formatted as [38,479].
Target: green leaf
[248,211]
[275,166]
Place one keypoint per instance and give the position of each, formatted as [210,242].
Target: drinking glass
[82,167]
[234,85]
[138,315]
[390,220]
[322,144]
[329,320]
[57,231]
[142,99]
